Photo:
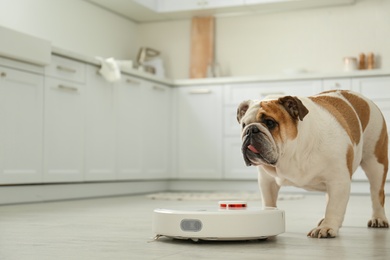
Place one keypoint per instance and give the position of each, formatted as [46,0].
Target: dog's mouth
[253,149]
[257,148]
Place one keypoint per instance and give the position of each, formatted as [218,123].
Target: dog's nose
[252,129]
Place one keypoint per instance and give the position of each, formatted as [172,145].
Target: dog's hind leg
[375,165]
[376,175]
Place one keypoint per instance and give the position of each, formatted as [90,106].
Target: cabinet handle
[133,82]
[3,74]
[66,69]
[70,88]
[158,88]
[264,94]
[200,91]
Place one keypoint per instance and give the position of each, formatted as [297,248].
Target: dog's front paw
[322,232]
[378,223]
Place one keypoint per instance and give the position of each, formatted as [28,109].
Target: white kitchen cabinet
[64,131]
[21,126]
[143,129]
[100,128]
[278,5]
[221,4]
[377,89]
[180,5]
[199,128]
[236,93]
[155,126]
[131,103]
[336,84]
[66,69]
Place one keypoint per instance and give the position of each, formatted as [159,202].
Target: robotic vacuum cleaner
[230,220]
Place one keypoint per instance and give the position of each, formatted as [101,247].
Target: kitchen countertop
[13,45]
[44,60]
[91,60]
[228,80]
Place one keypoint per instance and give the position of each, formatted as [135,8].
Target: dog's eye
[243,125]
[270,124]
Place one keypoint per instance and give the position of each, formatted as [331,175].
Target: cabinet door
[131,103]
[236,93]
[330,84]
[100,128]
[199,132]
[156,131]
[221,4]
[377,89]
[64,131]
[192,5]
[21,126]
[178,5]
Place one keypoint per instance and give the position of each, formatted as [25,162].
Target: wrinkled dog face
[258,144]
[266,125]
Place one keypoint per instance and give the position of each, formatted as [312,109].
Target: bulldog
[317,143]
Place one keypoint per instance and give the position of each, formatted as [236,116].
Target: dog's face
[266,125]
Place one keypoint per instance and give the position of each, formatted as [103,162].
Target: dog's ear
[242,108]
[294,107]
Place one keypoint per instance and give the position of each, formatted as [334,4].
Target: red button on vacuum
[232,204]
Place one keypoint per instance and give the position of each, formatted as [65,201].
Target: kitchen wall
[74,25]
[315,40]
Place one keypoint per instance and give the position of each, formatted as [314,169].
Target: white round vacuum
[231,220]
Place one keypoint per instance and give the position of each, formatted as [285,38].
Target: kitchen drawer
[67,69]
[236,93]
[64,87]
[375,88]
[329,84]
[131,81]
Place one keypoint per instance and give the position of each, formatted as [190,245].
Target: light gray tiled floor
[121,228]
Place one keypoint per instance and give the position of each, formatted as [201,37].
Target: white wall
[315,39]
[74,25]
[173,40]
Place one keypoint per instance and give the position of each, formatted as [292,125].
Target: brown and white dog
[317,143]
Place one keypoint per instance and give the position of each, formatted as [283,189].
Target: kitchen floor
[121,228]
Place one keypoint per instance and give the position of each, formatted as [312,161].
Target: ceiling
[138,13]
